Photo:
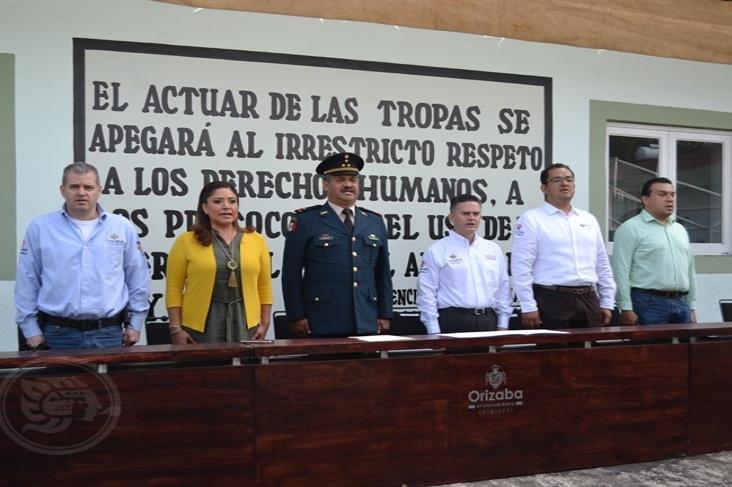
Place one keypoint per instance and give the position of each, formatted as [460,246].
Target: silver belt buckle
[479,311]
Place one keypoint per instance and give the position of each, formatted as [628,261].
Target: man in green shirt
[653,263]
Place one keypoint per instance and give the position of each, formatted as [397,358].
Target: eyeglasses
[567,179]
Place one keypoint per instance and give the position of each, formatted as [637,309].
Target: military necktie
[348,221]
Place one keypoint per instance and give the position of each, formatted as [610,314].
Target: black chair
[406,322]
[725,306]
[282,329]
[514,321]
[21,339]
[157,333]
[615,320]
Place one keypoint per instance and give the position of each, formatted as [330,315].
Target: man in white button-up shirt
[463,281]
[559,263]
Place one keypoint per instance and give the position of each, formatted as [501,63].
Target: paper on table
[382,338]
[500,333]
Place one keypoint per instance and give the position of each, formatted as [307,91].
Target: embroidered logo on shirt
[24,248]
[490,256]
[454,259]
[115,240]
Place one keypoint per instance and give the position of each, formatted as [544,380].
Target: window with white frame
[699,163]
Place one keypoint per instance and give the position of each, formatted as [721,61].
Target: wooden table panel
[177,426]
[710,422]
[439,419]
[621,405]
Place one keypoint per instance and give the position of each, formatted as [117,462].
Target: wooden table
[427,410]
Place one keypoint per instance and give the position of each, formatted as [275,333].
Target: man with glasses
[653,262]
[559,262]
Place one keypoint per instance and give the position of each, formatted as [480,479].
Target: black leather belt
[665,294]
[83,325]
[568,289]
[469,311]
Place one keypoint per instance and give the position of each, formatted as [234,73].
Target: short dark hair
[544,176]
[463,198]
[648,185]
[79,168]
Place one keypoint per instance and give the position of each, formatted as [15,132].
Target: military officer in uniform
[336,278]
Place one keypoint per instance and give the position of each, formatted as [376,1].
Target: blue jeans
[655,310]
[63,337]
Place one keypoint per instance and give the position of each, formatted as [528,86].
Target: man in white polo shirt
[463,281]
[561,272]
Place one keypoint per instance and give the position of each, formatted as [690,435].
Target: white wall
[39,34]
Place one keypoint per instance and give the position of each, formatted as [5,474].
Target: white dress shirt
[458,273]
[339,211]
[551,247]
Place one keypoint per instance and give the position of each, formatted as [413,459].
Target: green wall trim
[7,167]
[602,112]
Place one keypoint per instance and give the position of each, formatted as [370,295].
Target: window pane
[633,161]
[699,189]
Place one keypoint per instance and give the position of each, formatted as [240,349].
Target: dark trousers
[455,320]
[560,309]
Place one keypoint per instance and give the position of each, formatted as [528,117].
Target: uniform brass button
[353,238]
[317,299]
[326,244]
[355,269]
[354,253]
[355,284]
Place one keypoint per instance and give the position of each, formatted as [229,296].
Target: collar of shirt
[339,211]
[647,217]
[549,208]
[459,239]
[100,211]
